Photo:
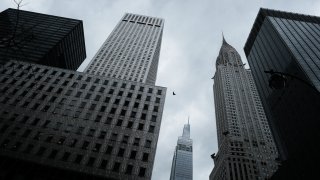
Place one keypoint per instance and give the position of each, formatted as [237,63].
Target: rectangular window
[133,154]
[78,159]
[91,161]
[116,167]
[103,164]
[109,150]
[129,169]
[142,172]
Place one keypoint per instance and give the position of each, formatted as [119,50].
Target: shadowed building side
[289,43]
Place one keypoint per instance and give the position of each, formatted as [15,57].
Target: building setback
[63,124]
[182,166]
[132,50]
[246,147]
[42,39]
[289,43]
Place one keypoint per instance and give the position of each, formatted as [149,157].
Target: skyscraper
[132,50]
[41,38]
[182,166]
[246,147]
[288,44]
[62,124]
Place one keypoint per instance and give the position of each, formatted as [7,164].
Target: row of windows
[80,159]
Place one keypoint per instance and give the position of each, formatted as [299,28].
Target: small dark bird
[213,155]
[173,93]
[212,77]
[225,133]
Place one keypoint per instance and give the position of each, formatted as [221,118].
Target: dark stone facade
[62,124]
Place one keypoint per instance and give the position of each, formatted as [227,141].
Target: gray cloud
[191,42]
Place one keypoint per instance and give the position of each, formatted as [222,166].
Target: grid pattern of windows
[132,50]
[64,116]
[246,147]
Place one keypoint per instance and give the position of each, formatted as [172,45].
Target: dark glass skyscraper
[182,166]
[42,39]
[246,147]
[289,43]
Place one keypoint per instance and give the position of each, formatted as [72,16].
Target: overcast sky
[190,45]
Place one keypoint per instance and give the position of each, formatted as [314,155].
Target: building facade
[182,166]
[62,124]
[289,43]
[42,39]
[86,124]
[132,50]
[246,146]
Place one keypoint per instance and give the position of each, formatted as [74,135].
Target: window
[61,140]
[129,169]
[91,132]
[116,167]
[97,147]
[136,141]
[155,108]
[103,108]
[125,139]
[80,130]
[142,172]
[123,112]
[129,125]
[114,137]
[109,120]
[103,164]
[102,134]
[121,152]
[157,100]
[78,159]
[140,127]
[148,144]
[133,154]
[145,157]
[119,123]
[154,118]
[35,121]
[85,145]
[91,161]
[109,150]
[151,129]
[159,92]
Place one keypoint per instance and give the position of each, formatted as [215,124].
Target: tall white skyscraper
[182,159]
[246,147]
[132,50]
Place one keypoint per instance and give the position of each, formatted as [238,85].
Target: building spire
[223,39]
[188,119]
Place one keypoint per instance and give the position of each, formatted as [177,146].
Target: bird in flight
[173,93]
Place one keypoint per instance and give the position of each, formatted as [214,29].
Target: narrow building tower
[246,148]
[182,159]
